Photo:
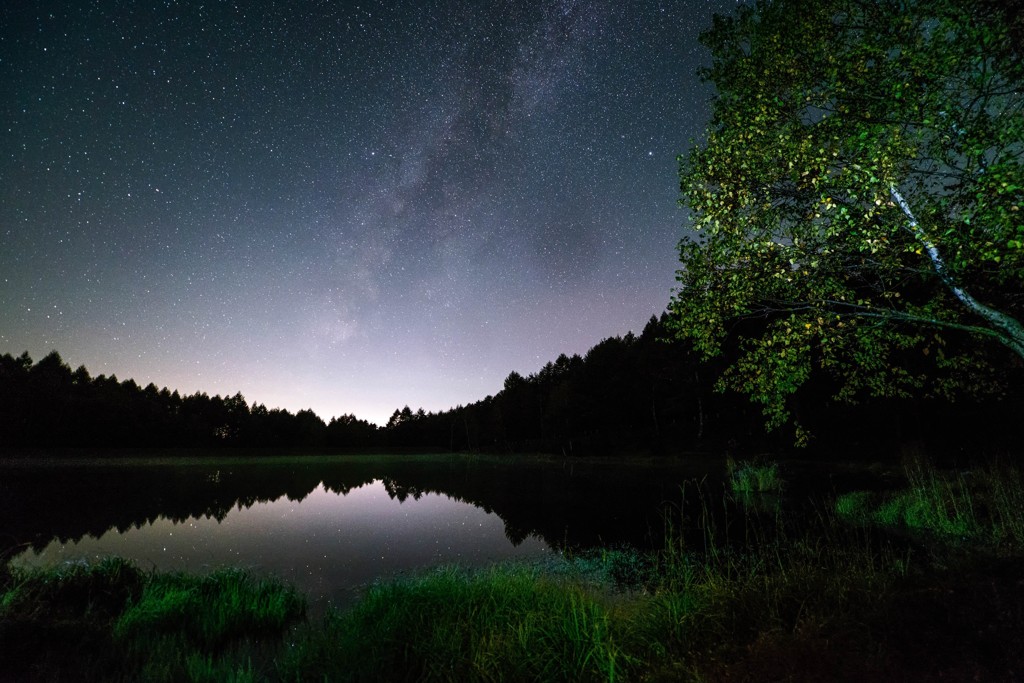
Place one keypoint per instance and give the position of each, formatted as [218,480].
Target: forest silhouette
[628,395]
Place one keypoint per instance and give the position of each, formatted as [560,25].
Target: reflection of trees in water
[67,503]
[579,507]
[399,491]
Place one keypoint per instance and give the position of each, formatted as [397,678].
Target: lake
[332,524]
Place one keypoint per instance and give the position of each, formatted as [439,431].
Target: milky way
[344,206]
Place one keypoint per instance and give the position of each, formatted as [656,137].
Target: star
[348,208]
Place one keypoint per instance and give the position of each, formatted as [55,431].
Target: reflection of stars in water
[339,206]
[327,544]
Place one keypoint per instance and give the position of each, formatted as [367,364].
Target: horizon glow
[338,207]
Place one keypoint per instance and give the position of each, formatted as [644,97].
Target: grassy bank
[848,592]
[112,621]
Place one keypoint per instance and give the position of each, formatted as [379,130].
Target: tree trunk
[1008,329]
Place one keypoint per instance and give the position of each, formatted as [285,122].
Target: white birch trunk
[1008,329]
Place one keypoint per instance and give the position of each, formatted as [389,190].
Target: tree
[859,196]
[400,417]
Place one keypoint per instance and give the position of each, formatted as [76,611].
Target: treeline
[631,394]
[653,394]
[46,404]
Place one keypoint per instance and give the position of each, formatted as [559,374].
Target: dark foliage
[653,394]
[632,393]
[46,404]
[646,394]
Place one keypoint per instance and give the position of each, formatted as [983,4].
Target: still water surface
[328,544]
[328,525]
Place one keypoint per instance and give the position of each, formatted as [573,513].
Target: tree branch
[1006,328]
[845,309]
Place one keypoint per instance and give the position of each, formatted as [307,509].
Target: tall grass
[209,611]
[111,621]
[982,508]
[746,477]
[726,597]
[506,623]
[1001,489]
[56,622]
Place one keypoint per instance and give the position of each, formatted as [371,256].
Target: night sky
[343,206]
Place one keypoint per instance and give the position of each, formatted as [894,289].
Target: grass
[507,623]
[112,621]
[746,477]
[211,611]
[826,596]
[979,509]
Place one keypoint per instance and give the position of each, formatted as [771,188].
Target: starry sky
[344,206]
